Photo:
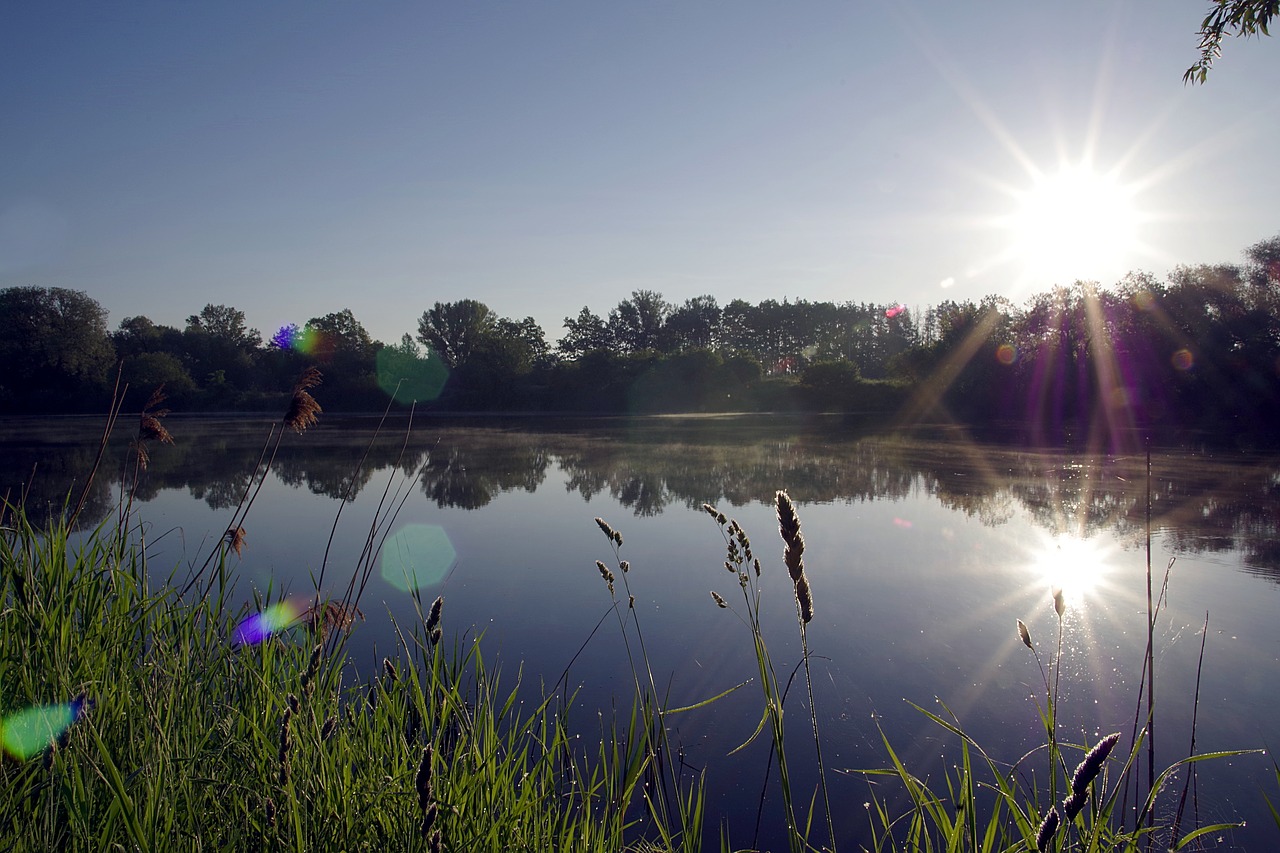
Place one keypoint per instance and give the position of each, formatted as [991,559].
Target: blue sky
[296,158]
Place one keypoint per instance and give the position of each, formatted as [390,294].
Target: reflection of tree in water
[1200,503]
[335,466]
[649,477]
[45,467]
[471,477]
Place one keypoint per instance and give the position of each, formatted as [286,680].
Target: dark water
[922,552]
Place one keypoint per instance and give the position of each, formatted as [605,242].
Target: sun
[1076,223]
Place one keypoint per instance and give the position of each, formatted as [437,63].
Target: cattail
[303,408]
[720,602]
[1048,829]
[235,539]
[433,617]
[329,727]
[1086,771]
[286,743]
[1024,635]
[805,599]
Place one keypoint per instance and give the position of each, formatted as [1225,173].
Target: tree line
[1200,349]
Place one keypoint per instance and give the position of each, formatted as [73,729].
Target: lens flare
[409,377]
[259,626]
[1183,360]
[1006,354]
[33,730]
[417,556]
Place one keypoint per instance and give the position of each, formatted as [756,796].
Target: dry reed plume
[149,426]
[303,408]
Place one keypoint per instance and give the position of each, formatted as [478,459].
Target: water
[922,552]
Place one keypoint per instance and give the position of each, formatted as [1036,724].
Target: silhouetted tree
[637,323]
[455,329]
[586,333]
[54,348]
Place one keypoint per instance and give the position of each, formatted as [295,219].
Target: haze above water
[922,552]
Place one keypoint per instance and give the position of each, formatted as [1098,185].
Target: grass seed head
[1024,635]
[1088,769]
[1048,829]
[805,599]
[433,617]
[719,599]
[422,781]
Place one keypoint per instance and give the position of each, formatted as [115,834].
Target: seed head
[1086,771]
[1048,829]
[805,599]
[720,602]
[303,408]
[422,782]
[1024,635]
[433,617]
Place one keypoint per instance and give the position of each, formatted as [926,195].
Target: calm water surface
[922,552]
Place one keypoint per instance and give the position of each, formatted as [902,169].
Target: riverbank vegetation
[1200,350]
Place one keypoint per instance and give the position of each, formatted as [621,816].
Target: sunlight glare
[1075,224]
[1078,567]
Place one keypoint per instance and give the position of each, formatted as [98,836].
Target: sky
[292,159]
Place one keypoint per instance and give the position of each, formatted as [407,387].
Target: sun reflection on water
[1078,567]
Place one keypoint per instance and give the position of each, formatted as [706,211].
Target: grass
[133,717]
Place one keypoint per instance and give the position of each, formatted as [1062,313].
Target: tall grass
[132,717]
[194,742]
